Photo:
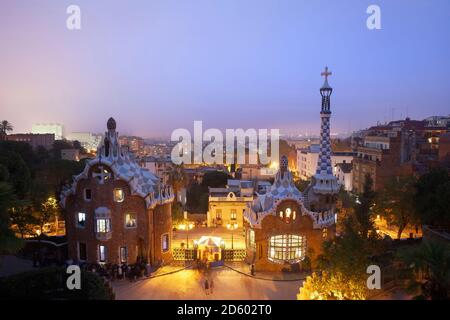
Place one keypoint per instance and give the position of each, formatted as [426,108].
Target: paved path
[188,285]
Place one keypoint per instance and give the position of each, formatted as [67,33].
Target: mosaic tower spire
[325,180]
[324,161]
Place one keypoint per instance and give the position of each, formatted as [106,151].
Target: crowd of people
[121,271]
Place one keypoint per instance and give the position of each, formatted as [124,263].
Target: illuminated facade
[116,211]
[285,228]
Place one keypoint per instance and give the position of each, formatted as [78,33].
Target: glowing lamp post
[189,226]
[232,227]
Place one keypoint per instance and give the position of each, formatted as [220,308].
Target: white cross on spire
[326,73]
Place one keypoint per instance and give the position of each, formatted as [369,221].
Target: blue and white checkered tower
[326,182]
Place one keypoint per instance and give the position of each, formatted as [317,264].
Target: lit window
[123,254]
[287,248]
[87,194]
[218,214]
[130,220]
[102,253]
[81,219]
[119,195]
[325,233]
[103,225]
[233,214]
[165,242]
[288,215]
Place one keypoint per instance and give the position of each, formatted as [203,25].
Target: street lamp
[189,226]
[232,227]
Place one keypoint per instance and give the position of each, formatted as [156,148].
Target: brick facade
[116,211]
[143,240]
[259,254]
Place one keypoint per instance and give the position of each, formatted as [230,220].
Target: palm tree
[176,178]
[5,127]
[432,259]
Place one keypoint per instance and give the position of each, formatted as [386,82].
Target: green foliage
[51,177]
[197,194]
[176,178]
[349,254]
[215,179]
[23,149]
[431,258]
[22,217]
[363,208]
[5,127]
[344,263]
[332,286]
[395,202]
[19,174]
[8,241]
[197,198]
[50,284]
[28,178]
[433,197]
[177,212]
[4,173]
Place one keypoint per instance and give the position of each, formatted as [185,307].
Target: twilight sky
[158,65]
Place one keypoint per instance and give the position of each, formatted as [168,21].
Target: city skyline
[160,66]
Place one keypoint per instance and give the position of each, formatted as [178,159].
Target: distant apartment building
[88,140]
[395,149]
[157,149]
[159,166]
[307,160]
[134,144]
[34,140]
[256,172]
[46,128]
[381,158]
[437,121]
[343,173]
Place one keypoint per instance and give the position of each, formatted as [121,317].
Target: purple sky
[157,65]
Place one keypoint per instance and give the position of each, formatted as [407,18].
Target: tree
[197,194]
[22,218]
[177,212]
[5,127]
[332,286]
[363,208]
[432,258]
[177,179]
[215,179]
[19,176]
[348,254]
[345,204]
[395,202]
[344,261]
[8,241]
[432,198]
[47,212]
